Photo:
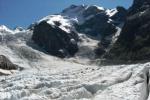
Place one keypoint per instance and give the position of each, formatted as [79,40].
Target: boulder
[6,64]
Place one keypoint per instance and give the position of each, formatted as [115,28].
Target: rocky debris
[6,64]
[54,40]
[133,43]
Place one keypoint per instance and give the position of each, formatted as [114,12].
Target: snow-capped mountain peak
[4,29]
[81,12]
[57,20]
[77,14]
[92,20]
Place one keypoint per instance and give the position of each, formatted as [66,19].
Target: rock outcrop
[54,40]
[97,26]
[134,41]
[6,64]
[102,25]
[120,16]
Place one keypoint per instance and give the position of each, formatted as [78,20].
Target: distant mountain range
[94,32]
[63,34]
[130,28]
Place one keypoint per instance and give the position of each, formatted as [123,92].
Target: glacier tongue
[46,77]
[53,78]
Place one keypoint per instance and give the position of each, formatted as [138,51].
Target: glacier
[46,77]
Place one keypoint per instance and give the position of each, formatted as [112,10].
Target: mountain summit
[60,34]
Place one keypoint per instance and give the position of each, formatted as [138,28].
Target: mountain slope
[133,42]
[95,22]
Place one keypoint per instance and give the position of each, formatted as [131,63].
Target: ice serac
[134,41]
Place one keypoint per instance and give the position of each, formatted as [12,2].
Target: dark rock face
[101,27]
[120,16]
[54,40]
[139,6]
[134,41]
[97,25]
[6,64]
[100,24]
[99,51]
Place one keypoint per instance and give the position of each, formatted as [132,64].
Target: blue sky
[23,12]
